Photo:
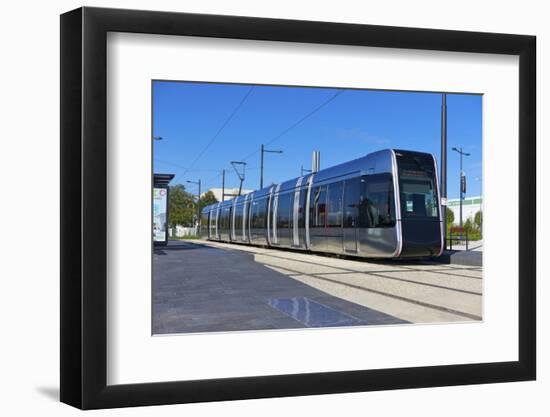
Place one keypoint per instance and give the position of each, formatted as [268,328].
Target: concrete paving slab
[415,291]
[201,288]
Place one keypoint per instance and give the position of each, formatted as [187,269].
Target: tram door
[351,214]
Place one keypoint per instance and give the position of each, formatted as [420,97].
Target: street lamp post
[462,181]
[198,204]
[262,151]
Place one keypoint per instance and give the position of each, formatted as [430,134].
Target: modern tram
[383,205]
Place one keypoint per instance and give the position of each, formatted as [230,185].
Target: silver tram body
[383,205]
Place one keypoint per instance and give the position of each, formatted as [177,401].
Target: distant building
[470,206]
[229,193]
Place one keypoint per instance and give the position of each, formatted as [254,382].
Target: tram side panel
[377,223]
[350,215]
[258,221]
[284,220]
[238,232]
[217,226]
[302,207]
[205,224]
[356,215]
[317,218]
[333,218]
[225,222]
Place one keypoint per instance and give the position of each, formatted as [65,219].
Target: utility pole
[198,204]
[443,168]
[262,151]
[462,181]
[262,166]
[223,184]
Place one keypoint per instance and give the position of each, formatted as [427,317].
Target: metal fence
[458,235]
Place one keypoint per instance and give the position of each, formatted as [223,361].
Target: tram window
[253,214]
[252,211]
[418,198]
[318,207]
[258,214]
[334,215]
[301,208]
[418,191]
[225,218]
[212,222]
[377,205]
[204,220]
[238,219]
[352,197]
[228,218]
[248,215]
[283,210]
[221,219]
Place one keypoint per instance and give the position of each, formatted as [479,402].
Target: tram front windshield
[418,191]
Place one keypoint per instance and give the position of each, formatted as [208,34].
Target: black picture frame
[84,207]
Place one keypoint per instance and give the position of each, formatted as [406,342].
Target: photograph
[279,207]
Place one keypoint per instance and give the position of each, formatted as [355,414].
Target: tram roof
[322,175]
[377,159]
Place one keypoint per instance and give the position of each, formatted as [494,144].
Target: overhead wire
[220,130]
[297,123]
[185,168]
[270,141]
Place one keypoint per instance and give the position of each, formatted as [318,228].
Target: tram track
[348,279]
[385,294]
[378,273]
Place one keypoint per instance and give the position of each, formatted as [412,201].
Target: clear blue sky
[236,119]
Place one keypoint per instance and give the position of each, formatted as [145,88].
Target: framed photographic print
[258,208]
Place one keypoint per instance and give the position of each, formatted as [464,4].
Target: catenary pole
[461,193]
[262,167]
[223,184]
[199,207]
[262,151]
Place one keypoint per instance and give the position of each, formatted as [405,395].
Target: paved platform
[463,257]
[201,288]
[204,286]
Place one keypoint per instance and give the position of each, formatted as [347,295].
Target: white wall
[468,210]
[30,264]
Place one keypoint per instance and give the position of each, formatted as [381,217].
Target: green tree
[207,199]
[180,206]
[477,219]
[450,216]
[468,225]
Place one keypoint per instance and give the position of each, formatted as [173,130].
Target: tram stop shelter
[160,207]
